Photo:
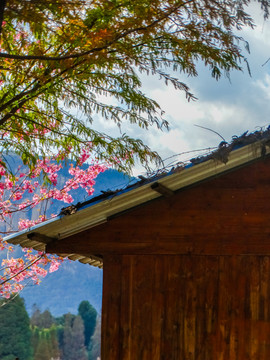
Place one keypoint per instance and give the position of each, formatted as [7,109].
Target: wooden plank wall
[186,307]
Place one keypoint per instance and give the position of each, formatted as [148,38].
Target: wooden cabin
[186,259]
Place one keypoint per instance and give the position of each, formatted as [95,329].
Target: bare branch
[215,132]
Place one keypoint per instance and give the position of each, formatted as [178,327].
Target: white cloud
[230,108]
[264,86]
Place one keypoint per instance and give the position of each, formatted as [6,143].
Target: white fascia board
[212,168]
[96,214]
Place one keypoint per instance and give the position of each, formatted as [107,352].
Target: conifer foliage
[62,338]
[73,341]
[15,334]
[89,316]
[44,337]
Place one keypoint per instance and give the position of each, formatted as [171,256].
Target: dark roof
[220,154]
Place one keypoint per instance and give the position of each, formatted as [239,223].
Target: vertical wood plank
[186,307]
[207,302]
[142,307]
[189,310]
[111,307]
[173,289]
[159,316]
[126,307]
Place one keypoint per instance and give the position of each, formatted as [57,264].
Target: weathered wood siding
[187,277]
[186,307]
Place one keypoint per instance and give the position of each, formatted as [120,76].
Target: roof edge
[98,213]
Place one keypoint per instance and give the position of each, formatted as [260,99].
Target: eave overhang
[99,212]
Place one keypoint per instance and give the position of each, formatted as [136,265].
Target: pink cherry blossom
[34,265]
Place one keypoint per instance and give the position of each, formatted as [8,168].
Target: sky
[229,107]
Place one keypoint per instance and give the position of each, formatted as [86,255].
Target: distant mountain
[61,292]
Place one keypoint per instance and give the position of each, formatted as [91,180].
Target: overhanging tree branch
[97,49]
[2,10]
[118,42]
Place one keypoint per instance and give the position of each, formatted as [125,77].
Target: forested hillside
[72,336]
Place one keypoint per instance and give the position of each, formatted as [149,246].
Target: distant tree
[60,321]
[35,339]
[44,335]
[42,320]
[95,345]
[45,344]
[73,339]
[55,351]
[15,334]
[42,352]
[35,315]
[89,316]
[47,319]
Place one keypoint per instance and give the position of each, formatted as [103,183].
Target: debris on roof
[221,154]
[69,210]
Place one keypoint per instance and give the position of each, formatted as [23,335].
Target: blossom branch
[22,270]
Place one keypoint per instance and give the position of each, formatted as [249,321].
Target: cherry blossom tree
[15,190]
[59,59]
